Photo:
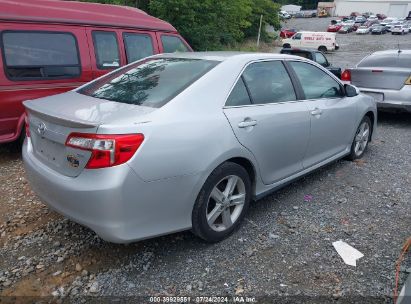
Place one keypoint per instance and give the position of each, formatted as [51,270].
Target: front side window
[172,44]
[297,36]
[316,83]
[40,55]
[268,82]
[106,50]
[137,46]
[152,82]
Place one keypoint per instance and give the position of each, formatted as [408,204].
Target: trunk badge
[41,128]
[73,161]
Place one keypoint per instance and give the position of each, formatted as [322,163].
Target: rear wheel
[361,139]
[286,46]
[322,49]
[222,202]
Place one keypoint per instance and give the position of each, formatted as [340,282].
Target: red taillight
[346,75]
[106,150]
[26,122]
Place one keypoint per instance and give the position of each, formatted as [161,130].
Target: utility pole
[259,31]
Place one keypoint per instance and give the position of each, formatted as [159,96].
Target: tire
[362,141]
[216,216]
[286,46]
[322,49]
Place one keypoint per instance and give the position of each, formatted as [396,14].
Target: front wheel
[222,202]
[286,46]
[361,139]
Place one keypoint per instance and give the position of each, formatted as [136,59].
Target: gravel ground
[283,249]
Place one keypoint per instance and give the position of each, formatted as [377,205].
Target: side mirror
[351,91]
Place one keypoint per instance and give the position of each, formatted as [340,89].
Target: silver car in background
[386,76]
[186,141]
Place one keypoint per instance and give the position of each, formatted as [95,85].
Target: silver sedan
[186,141]
[385,76]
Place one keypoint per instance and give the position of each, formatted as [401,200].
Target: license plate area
[48,150]
[378,97]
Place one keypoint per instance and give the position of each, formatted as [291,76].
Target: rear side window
[320,58]
[152,82]
[137,46]
[40,55]
[172,44]
[239,95]
[316,83]
[268,82]
[106,50]
[387,61]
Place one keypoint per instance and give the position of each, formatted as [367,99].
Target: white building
[391,8]
[291,8]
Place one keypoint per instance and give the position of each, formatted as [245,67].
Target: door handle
[316,112]
[247,123]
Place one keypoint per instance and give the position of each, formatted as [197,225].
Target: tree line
[211,24]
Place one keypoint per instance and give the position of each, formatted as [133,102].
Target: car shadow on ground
[395,119]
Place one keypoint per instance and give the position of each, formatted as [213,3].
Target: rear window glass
[152,82]
[387,61]
[40,55]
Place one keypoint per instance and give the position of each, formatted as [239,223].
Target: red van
[51,46]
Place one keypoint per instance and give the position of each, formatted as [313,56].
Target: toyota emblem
[41,128]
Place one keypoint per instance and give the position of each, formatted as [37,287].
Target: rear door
[332,114]
[268,120]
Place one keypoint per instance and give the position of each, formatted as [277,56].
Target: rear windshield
[387,61]
[152,82]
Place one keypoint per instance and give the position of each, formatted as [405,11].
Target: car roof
[391,52]
[84,13]
[223,56]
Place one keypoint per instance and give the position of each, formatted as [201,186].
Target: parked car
[360,19]
[381,16]
[334,26]
[287,33]
[131,141]
[367,15]
[284,15]
[345,29]
[378,29]
[349,22]
[372,18]
[355,14]
[399,29]
[388,20]
[50,51]
[385,76]
[313,55]
[321,41]
[369,23]
[299,15]
[363,30]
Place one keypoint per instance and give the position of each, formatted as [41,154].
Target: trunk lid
[52,119]
[379,78]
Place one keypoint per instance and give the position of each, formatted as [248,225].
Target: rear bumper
[115,202]
[392,99]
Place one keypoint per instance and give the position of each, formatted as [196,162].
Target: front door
[268,120]
[332,114]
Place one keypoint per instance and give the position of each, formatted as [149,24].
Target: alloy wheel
[362,138]
[225,203]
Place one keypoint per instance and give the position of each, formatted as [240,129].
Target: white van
[322,41]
